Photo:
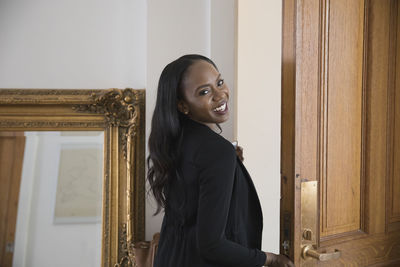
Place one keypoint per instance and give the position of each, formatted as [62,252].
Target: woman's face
[205,95]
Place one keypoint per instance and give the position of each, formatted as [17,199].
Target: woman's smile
[221,109]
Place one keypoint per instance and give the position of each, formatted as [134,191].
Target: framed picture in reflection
[79,191]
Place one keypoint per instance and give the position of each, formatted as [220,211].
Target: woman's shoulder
[201,139]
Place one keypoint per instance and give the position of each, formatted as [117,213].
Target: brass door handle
[309,252]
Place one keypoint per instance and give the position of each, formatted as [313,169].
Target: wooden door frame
[289,211]
[287,206]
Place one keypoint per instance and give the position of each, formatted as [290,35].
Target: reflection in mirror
[52,194]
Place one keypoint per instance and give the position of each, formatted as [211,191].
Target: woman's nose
[219,93]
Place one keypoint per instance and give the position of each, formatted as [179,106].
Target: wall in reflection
[59,209]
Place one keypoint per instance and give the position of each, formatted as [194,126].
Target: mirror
[55,181]
[74,167]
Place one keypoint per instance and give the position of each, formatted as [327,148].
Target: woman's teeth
[221,108]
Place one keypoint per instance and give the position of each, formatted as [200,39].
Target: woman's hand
[275,260]
[239,152]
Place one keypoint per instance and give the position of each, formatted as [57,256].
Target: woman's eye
[203,92]
[221,82]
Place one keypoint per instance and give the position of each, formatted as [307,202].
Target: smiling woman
[213,215]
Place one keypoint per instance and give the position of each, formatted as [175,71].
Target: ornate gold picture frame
[121,115]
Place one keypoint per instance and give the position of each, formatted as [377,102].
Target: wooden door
[12,146]
[340,160]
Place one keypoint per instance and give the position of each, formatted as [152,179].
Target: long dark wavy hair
[166,127]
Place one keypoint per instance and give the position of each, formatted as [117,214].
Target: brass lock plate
[309,211]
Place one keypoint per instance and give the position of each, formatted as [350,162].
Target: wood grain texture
[5,179]
[11,159]
[376,88]
[341,183]
[394,118]
[374,249]
[307,95]
[341,127]
[396,177]
[287,130]
[306,105]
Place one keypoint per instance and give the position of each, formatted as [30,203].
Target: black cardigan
[213,215]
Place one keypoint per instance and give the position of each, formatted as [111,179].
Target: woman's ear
[182,107]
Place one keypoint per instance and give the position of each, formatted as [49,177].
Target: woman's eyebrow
[205,85]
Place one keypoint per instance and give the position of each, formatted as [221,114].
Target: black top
[213,215]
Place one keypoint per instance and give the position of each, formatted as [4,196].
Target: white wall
[24,202]
[72,44]
[258,104]
[223,52]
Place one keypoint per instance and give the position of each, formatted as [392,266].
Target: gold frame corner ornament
[120,114]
